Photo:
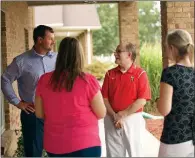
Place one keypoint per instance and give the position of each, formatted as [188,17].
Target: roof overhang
[69,20]
[59,2]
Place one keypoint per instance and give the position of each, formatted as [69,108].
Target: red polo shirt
[122,89]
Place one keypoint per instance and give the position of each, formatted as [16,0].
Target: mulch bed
[155,127]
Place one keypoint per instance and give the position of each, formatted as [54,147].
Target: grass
[151,61]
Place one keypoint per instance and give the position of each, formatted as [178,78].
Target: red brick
[189,25]
[182,15]
[182,4]
[190,30]
[192,14]
[18,16]
[170,4]
[128,23]
[188,9]
[171,26]
[172,10]
[192,34]
[170,15]
[183,20]
[180,26]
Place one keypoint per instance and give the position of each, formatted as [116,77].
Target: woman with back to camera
[70,103]
[177,98]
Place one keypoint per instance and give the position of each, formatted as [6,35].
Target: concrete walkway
[151,144]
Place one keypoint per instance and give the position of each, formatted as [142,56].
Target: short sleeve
[144,91]
[167,77]
[105,86]
[93,87]
[39,87]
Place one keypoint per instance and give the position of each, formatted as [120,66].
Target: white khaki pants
[128,138]
[185,149]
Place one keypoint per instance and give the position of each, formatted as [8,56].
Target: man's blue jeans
[32,130]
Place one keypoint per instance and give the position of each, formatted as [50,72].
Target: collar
[49,54]
[130,70]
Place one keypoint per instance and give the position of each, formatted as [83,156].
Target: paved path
[151,144]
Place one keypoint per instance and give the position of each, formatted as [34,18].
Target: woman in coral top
[70,103]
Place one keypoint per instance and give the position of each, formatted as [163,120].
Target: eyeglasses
[119,51]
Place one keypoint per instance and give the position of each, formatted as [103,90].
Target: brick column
[128,24]
[17,18]
[176,15]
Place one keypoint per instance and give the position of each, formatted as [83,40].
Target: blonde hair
[181,40]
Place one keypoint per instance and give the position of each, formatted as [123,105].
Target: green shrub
[99,69]
[151,61]
[20,150]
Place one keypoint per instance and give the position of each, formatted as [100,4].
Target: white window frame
[2,114]
[2,101]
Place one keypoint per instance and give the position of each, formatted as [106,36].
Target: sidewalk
[151,144]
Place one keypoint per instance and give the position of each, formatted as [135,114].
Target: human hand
[118,124]
[122,114]
[26,107]
[118,119]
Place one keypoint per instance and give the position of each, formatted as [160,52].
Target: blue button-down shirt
[26,69]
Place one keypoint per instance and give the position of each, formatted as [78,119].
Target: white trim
[88,46]
[2,10]
[62,27]
[2,98]
[68,34]
[53,24]
[75,27]
[2,129]
[141,74]
[2,114]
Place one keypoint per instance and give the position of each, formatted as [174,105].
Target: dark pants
[88,152]
[32,130]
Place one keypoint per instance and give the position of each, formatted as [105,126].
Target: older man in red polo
[125,90]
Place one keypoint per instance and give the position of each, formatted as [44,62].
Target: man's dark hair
[40,30]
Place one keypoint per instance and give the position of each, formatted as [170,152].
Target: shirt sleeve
[39,87]
[12,73]
[144,91]
[93,87]
[105,86]
[166,77]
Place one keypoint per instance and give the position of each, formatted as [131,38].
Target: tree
[149,22]
[106,39]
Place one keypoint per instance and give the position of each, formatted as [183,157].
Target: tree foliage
[106,39]
[149,22]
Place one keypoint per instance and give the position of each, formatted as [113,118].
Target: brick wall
[128,24]
[176,15]
[18,17]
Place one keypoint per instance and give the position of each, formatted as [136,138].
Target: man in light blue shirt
[27,69]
